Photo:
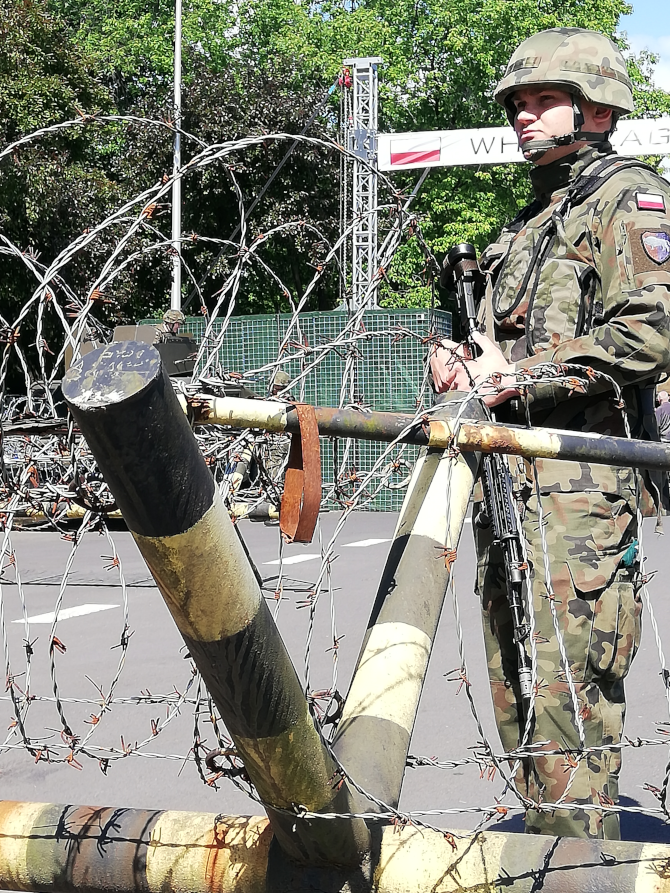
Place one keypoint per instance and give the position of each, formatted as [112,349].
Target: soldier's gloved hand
[454,370]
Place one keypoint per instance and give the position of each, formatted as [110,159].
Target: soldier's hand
[454,370]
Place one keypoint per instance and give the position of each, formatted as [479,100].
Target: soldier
[663,416]
[172,322]
[278,445]
[582,275]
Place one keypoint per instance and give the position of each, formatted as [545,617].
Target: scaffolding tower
[359,123]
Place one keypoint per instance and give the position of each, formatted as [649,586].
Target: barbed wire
[50,479]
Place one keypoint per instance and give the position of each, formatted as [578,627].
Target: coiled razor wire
[49,477]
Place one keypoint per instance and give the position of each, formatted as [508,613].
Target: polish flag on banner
[499,145]
[413,152]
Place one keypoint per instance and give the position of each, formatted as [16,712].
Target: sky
[647,29]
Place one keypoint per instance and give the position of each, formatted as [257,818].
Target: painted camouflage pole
[468,435]
[125,406]
[384,694]
[55,848]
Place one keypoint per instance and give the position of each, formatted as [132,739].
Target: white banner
[498,145]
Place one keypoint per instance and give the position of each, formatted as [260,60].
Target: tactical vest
[548,294]
[525,325]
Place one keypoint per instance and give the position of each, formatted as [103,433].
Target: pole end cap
[111,374]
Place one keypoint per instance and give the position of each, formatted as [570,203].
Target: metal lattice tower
[359,121]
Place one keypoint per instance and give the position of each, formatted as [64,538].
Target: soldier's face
[541,113]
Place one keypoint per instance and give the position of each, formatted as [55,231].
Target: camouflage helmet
[580,62]
[173,317]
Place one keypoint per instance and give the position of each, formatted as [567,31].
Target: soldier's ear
[601,116]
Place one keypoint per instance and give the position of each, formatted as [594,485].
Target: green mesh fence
[389,374]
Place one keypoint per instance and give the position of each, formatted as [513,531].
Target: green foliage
[44,76]
[132,41]
[650,102]
[254,67]
[53,188]
[441,63]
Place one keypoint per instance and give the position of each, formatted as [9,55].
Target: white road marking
[294,559]
[361,544]
[67,613]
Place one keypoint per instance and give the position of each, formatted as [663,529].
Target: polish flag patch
[650,201]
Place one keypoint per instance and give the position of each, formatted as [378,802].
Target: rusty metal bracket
[301,499]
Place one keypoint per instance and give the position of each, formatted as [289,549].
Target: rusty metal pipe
[124,404]
[471,435]
[59,848]
[55,848]
[485,437]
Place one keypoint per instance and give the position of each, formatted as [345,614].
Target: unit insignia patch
[656,246]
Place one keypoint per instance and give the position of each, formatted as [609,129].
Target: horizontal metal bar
[267,415]
[485,437]
[28,427]
[548,443]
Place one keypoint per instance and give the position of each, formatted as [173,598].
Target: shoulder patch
[650,201]
[650,249]
[656,246]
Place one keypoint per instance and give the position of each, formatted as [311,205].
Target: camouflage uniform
[589,285]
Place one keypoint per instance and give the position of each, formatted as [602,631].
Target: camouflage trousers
[594,577]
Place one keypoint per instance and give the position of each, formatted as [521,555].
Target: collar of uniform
[547,179]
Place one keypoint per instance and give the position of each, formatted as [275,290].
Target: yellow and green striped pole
[386,687]
[124,404]
[52,848]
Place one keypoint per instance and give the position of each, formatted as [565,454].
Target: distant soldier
[663,416]
[172,321]
[278,445]
[581,275]
[282,379]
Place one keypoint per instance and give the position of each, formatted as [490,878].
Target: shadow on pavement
[634,826]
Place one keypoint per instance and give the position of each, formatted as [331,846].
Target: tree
[131,41]
[254,67]
[228,106]
[442,61]
[56,187]
[51,188]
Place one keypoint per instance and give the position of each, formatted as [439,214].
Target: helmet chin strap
[535,150]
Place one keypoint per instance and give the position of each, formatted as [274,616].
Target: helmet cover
[575,60]
[173,317]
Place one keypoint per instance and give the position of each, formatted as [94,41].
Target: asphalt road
[445,727]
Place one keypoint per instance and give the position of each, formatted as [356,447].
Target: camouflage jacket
[588,284]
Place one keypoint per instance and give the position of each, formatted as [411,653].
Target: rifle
[462,271]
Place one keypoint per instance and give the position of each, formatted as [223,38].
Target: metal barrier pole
[384,695]
[485,437]
[360,424]
[125,406]
[54,848]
